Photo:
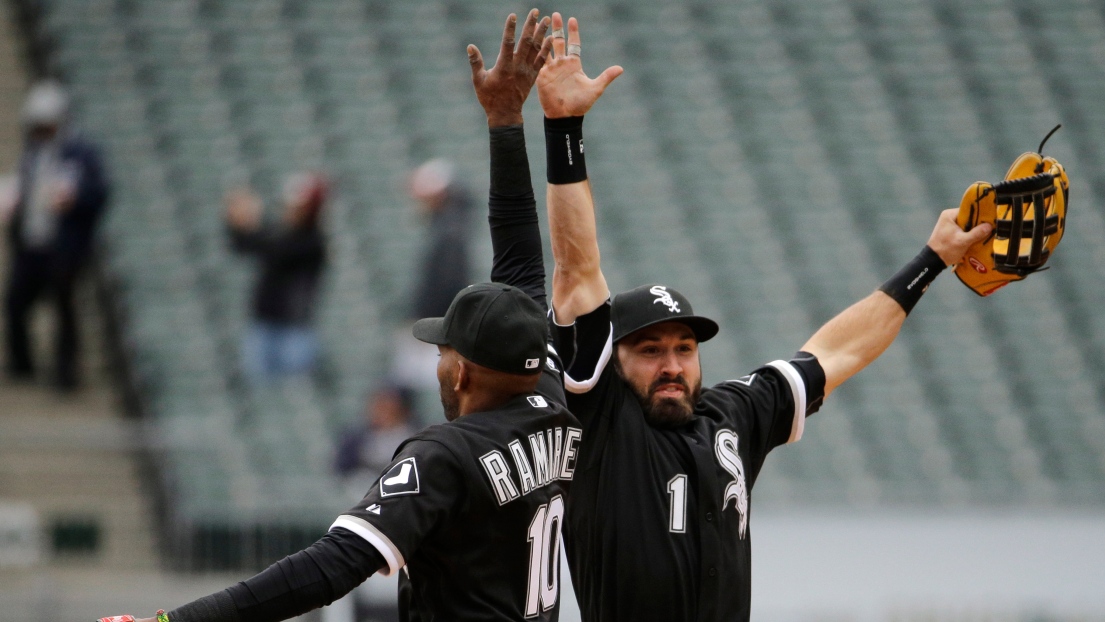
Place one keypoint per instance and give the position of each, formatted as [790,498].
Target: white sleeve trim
[374,537]
[576,386]
[798,390]
[552,314]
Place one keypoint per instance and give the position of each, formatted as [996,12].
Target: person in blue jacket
[62,191]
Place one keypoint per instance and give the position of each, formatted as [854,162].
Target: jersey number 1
[544,557]
[677,489]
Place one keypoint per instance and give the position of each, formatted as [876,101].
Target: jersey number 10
[544,557]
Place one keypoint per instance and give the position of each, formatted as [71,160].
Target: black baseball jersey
[473,510]
[657,525]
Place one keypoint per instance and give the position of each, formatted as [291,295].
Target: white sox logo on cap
[664,298]
[637,308]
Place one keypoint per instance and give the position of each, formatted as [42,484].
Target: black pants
[34,275]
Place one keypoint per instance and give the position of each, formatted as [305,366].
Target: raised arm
[512,209]
[566,94]
[858,335]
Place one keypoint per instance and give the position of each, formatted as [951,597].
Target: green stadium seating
[773,160]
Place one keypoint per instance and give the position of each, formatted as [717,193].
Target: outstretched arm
[512,209]
[301,582]
[566,94]
[858,335]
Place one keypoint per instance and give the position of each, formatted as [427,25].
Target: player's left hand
[503,89]
[562,87]
[950,241]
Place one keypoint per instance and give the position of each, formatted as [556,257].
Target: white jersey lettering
[525,471]
[551,457]
[540,458]
[499,473]
[568,467]
[556,439]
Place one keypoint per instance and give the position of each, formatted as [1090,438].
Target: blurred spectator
[61,192]
[443,269]
[281,338]
[365,449]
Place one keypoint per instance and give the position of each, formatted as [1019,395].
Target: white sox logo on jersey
[663,297]
[401,479]
[725,447]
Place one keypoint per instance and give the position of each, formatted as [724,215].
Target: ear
[464,377]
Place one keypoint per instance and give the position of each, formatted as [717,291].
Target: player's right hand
[504,88]
[562,87]
[950,241]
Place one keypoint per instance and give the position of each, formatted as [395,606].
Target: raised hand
[243,209]
[502,90]
[562,87]
[950,241]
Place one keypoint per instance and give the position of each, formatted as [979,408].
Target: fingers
[539,34]
[539,49]
[475,59]
[506,51]
[605,78]
[558,41]
[543,54]
[948,215]
[950,242]
[525,45]
[979,233]
[573,31]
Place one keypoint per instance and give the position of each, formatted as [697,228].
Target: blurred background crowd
[221,218]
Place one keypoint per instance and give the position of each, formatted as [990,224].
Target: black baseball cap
[652,304]
[494,325]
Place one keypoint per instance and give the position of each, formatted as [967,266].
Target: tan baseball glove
[1029,213]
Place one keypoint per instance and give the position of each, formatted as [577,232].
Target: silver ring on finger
[557,33]
[573,49]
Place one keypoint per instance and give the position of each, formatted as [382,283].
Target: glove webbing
[1030,192]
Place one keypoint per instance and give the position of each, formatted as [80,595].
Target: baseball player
[658,523]
[470,511]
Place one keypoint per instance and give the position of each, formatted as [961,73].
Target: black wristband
[911,281]
[564,150]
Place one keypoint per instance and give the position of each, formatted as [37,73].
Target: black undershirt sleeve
[810,369]
[582,343]
[512,214]
[301,582]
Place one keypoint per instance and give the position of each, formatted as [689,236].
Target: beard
[449,402]
[665,412]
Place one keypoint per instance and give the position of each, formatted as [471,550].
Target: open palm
[562,87]
[503,89]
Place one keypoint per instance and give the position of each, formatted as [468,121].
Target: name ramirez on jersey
[473,510]
[553,458]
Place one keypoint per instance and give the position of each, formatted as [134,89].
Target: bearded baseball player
[469,512]
[658,523]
